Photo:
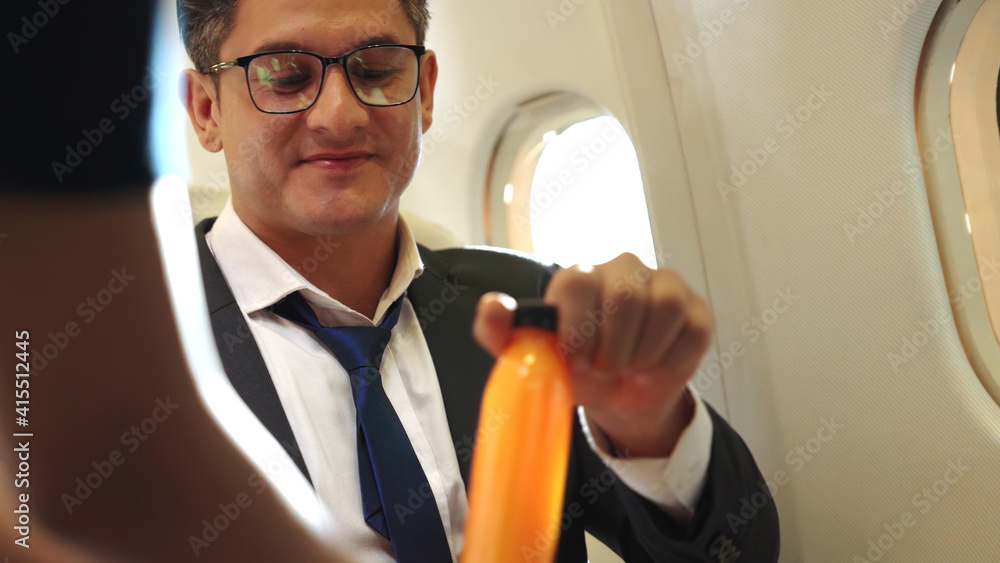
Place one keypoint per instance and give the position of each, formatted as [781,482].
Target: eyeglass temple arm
[219,67]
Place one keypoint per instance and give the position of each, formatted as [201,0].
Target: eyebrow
[296,46]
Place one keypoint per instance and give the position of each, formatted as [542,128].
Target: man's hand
[631,337]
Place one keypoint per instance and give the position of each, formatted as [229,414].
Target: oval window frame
[949,83]
[515,157]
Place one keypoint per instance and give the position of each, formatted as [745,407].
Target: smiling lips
[339,162]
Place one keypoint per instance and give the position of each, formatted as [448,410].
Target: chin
[338,220]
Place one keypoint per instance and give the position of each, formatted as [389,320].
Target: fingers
[669,302]
[575,293]
[492,325]
[625,283]
[625,317]
[685,354]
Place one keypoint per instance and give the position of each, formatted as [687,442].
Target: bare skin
[107,379]
[291,176]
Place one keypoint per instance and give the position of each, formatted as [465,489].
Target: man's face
[339,167]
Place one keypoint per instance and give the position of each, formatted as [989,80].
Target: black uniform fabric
[736,518]
[77,97]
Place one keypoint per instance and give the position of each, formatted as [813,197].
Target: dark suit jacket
[735,520]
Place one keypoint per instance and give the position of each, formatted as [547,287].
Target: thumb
[492,325]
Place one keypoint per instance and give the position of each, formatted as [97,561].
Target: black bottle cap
[535,313]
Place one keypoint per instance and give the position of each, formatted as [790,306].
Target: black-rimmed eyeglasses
[290,81]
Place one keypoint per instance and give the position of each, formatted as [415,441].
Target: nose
[337,111]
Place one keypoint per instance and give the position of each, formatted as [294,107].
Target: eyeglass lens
[287,82]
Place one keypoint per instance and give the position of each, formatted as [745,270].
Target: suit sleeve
[735,519]
[673,483]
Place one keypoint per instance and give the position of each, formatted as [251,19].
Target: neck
[355,269]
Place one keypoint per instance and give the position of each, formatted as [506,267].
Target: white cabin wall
[827,356]
[514,43]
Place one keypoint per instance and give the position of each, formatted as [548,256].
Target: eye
[372,70]
[287,80]
[374,74]
[292,81]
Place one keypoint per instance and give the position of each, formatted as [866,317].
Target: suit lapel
[240,355]
[446,308]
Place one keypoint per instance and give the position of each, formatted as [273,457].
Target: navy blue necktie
[389,470]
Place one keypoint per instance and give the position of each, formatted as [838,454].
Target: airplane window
[959,141]
[565,185]
[587,202]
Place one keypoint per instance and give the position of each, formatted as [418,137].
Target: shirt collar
[259,278]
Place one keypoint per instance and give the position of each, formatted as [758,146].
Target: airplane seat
[208,202]
[430,234]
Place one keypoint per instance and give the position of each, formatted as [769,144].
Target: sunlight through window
[587,203]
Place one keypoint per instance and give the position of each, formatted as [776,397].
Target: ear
[428,78]
[201,100]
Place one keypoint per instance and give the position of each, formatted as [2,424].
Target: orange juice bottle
[522,447]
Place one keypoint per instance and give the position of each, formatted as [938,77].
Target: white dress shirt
[315,393]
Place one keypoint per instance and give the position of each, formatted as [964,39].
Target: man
[318,158]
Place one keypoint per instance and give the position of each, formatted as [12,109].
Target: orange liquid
[522,447]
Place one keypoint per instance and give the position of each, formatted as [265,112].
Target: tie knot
[354,346]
